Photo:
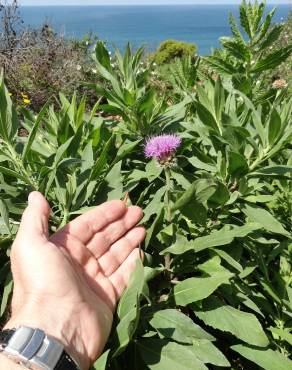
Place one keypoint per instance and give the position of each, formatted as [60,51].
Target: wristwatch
[35,350]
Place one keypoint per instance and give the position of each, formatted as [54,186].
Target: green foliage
[216,286]
[246,57]
[172,49]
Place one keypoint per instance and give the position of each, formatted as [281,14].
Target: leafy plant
[211,169]
[245,57]
[172,49]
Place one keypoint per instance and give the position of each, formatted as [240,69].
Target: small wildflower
[279,84]
[78,67]
[26,101]
[163,148]
[24,95]
[94,71]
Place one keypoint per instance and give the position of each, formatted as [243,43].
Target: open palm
[68,284]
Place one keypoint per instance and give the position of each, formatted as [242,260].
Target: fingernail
[31,197]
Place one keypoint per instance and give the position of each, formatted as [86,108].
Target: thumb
[34,222]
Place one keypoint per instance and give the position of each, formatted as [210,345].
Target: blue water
[142,25]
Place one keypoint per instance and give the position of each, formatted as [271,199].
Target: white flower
[78,67]
[94,71]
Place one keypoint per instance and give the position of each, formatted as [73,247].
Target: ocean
[142,25]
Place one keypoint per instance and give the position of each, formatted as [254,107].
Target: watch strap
[66,363]
[5,336]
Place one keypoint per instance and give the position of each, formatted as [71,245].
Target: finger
[101,241]
[121,277]
[78,252]
[86,226]
[120,250]
[34,222]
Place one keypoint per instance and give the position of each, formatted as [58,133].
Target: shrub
[171,49]
[247,57]
[40,63]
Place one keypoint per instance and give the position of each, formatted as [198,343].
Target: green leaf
[265,219]
[100,364]
[220,65]
[33,132]
[283,334]
[175,325]
[206,352]
[272,36]
[4,212]
[272,60]
[224,236]
[196,289]
[6,293]
[243,325]
[274,126]
[155,205]
[12,173]
[161,355]
[272,171]
[206,116]
[114,179]
[128,310]
[237,165]
[265,358]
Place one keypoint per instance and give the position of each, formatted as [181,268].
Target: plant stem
[167,260]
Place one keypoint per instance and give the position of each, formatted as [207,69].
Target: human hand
[68,284]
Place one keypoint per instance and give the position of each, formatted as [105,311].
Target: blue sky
[137,2]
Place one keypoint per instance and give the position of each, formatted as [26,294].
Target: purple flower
[162,146]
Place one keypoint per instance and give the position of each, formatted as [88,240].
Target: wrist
[60,327]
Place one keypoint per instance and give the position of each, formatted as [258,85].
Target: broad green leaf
[265,358]
[237,165]
[265,219]
[175,325]
[155,206]
[100,364]
[224,236]
[196,289]
[161,355]
[128,310]
[206,352]
[243,325]
[272,60]
[126,148]
[114,189]
[272,171]
[274,126]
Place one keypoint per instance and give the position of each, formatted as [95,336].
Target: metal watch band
[66,363]
[35,350]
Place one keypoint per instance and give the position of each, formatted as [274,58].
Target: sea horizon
[142,25]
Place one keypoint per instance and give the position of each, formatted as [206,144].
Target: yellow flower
[26,101]
[25,96]
[9,94]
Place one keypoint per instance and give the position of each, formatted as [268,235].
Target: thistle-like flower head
[162,148]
